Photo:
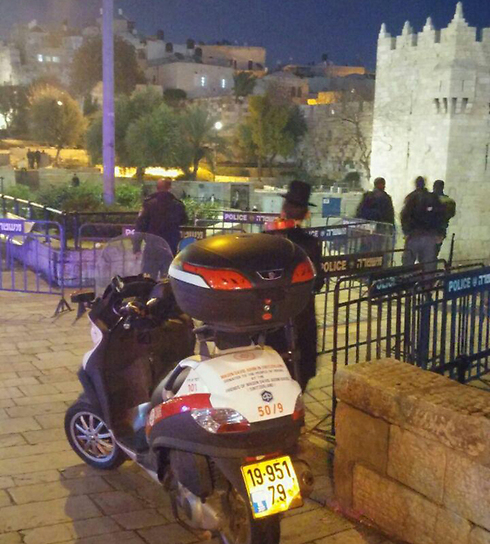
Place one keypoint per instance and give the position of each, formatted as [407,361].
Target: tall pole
[108,146]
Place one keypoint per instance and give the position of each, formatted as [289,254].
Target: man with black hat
[294,212]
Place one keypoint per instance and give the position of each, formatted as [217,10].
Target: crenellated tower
[432,118]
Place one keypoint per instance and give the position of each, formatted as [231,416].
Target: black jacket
[305,322]
[422,214]
[162,215]
[376,206]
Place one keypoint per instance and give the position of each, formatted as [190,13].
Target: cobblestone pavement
[47,495]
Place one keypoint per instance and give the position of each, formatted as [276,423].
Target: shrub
[128,196]
[87,197]
[20,191]
[200,210]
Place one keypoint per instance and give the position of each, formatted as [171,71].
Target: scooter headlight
[220,420]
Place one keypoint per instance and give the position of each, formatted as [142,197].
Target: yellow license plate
[272,486]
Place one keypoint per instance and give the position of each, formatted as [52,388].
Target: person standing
[75,180]
[377,206]
[162,215]
[37,158]
[449,209]
[294,212]
[30,159]
[422,219]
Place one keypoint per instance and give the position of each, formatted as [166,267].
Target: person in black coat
[294,211]
[376,205]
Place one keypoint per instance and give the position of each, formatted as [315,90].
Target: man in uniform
[162,215]
[422,219]
[449,209]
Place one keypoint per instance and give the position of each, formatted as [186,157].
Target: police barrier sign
[198,233]
[327,233]
[467,283]
[343,265]
[248,217]
[11,226]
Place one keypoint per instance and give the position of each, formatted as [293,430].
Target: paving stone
[10,393]
[145,489]
[8,440]
[140,519]
[33,478]
[311,526]
[27,450]
[116,502]
[51,421]
[15,382]
[37,410]
[58,489]
[36,463]
[27,516]
[164,534]
[41,399]
[111,538]
[33,344]
[353,536]
[81,470]
[11,538]
[18,425]
[68,386]
[38,389]
[479,536]
[45,435]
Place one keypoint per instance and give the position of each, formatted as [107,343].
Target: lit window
[56,59]
[203,81]
[40,58]
[48,58]
[223,83]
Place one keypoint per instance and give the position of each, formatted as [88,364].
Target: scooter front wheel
[91,438]
[242,528]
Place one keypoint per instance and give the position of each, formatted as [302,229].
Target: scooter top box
[242,281]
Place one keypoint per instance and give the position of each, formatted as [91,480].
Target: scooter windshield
[130,255]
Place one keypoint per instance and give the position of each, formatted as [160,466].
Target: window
[203,81]
[223,83]
[437,104]
[56,59]
[454,104]
[464,105]
[444,102]
[40,58]
[47,58]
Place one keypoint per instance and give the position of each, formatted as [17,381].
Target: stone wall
[431,118]
[413,453]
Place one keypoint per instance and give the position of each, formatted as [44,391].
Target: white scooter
[219,430]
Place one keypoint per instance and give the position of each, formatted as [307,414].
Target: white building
[197,80]
[432,118]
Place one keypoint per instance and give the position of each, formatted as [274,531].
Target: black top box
[242,282]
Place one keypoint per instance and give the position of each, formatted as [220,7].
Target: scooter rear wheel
[242,528]
[91,438]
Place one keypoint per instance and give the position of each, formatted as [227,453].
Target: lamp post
[108,118]
[218,126]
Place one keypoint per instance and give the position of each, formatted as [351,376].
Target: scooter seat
[162,393]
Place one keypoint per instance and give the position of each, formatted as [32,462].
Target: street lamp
[218,125]
[108,119]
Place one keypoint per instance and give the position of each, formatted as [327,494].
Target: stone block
[116,502]
[456,415]
[394,508]
[479,536]
[467,489]
[343,474]
[363,437]
[451,528]
[417,462]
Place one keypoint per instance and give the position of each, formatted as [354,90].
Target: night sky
[296,31]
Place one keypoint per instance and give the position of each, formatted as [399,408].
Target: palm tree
[244,85]
[199,140]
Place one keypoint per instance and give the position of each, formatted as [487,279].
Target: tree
[244,84]
[87,67]
[272,129]
[14,104]
[127,110]
[150,139]
[199,139]
[55,118]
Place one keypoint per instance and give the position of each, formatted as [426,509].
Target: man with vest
[422,219]
[449,209]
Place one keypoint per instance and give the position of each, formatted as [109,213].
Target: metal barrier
[32,257]
[438,321]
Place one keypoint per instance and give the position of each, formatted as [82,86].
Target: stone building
[432,118]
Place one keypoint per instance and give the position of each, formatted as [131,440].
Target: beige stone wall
[413,453]
[431,118]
